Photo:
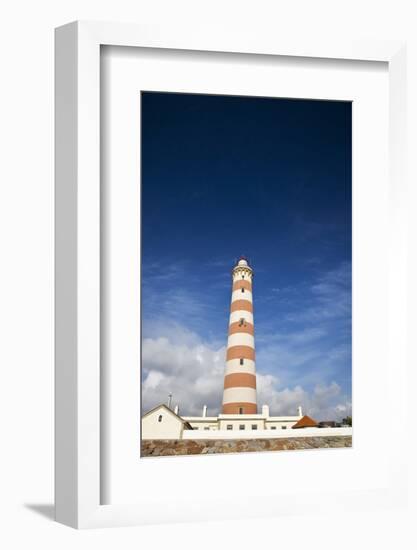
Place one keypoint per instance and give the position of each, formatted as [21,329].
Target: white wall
[271,434]
[169,427]
[235,316]
[239,295]
[239,395]
[279,425]
[204,426]
[241,422]
[233,366]
[241,339]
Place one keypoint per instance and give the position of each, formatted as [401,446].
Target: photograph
[246,262]
[208,222]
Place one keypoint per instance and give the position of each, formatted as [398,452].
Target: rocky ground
[169,447]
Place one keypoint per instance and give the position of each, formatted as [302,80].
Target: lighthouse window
[243,290]
[242,322]
[240,410]
[160,418]
[241,361]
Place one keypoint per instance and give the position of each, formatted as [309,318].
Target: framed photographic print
[228,220]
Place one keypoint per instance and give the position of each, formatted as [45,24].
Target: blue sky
[269,179]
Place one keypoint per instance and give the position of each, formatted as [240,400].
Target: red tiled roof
[305,422]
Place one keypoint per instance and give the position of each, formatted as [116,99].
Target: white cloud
[179,363]
[153,380]
[325,402]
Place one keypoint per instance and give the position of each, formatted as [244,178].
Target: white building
[243,422]
[164,423]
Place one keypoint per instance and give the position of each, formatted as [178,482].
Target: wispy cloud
[180,294]
[162,272]
[220,262]
[329,297]
[305,337]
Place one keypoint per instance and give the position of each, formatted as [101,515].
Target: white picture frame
[78,265]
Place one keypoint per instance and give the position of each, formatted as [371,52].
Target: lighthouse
[239,392]
[239,417]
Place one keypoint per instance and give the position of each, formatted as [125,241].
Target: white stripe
[237,395]
[241,339]
[237,276]
[239,295]
[240,288]
[233,366]
[236,316]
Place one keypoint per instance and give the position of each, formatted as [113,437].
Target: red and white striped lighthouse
[239,394]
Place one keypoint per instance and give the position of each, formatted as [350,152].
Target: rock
[179,447]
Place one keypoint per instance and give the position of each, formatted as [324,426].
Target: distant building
[328,424]
[305,422]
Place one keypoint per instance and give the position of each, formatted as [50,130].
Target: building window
[273,427]
[254,426]
[240,410]
[241,427]
[160,418]
[283,427]
[241,361]
[229,427]
[207,428]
